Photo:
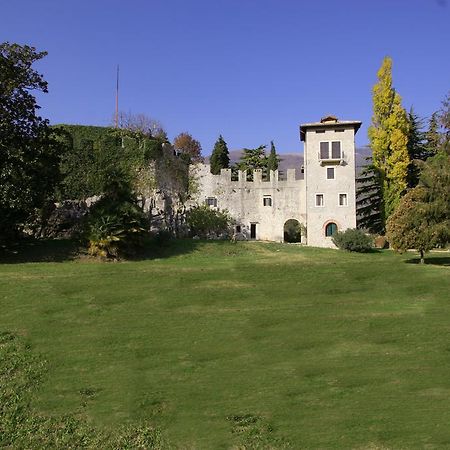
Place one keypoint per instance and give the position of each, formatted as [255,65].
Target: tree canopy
[422,219]
[189,147]
[29,153]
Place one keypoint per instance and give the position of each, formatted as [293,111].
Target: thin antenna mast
[116,118]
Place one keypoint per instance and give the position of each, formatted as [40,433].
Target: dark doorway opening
[292,231]
[253,231]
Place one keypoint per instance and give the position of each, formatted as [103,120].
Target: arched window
[330,229]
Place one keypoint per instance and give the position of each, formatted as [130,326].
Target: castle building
[319,196]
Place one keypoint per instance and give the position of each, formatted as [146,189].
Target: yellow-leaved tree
[388,137]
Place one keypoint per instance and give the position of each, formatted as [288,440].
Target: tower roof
[329,122]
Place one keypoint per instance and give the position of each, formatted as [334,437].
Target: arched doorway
[330,229]
[292,231]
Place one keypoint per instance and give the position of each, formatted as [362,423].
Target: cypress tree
[220,158]
[273,160]
[388,137]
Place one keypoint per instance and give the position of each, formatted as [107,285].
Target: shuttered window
[324,150]
[336,150]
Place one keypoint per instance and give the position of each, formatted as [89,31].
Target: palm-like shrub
[116,226]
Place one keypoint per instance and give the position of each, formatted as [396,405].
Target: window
[238,228]
[302,169]
[324,150]
[319,200]
[342,199]
[320,131]
[330,229]
[211,201]
[336,150]
[339,130]
[267,200]
[330,173]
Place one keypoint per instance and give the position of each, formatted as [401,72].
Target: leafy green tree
[388,136]
[204,221]
[422,219]
[253,158]
[29,152]
[220,158]
[273,160]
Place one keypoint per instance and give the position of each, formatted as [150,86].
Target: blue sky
[251,70]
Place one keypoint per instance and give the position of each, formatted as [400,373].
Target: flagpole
[117,99]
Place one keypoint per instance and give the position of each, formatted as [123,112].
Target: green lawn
[314,348]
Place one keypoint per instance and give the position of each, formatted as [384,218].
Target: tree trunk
[422,258]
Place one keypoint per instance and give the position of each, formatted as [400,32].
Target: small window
[330,229]
[267,200]
[319,200]
[324,150]
[320,131]
[302,169]
[238,228]
[342,199]
[330,173]
[339,130]
[211,201]
[336,150]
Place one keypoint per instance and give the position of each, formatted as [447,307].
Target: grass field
[215,342]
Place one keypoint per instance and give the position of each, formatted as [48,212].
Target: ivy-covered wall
[93,154]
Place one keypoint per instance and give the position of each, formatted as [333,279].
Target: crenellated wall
[244,200]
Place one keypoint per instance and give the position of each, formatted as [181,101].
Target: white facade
[320,196]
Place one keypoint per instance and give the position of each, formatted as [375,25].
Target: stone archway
[292,231]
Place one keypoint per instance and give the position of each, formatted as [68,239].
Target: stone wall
[267,204]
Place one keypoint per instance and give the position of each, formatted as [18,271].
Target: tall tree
[220,158]
[388,136]
[186,145]
[369,199]
[444,122]
[432,135]
[422,219]
[273,160]
[417,150]
[29,153]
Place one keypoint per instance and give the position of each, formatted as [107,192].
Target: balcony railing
[331,160]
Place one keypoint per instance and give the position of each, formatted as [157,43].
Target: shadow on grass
[43,250]
[60,250]
[432,260]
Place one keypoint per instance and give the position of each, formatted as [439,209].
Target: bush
[206,222]
[353,240]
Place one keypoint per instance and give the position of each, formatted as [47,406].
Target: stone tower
[329,152]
